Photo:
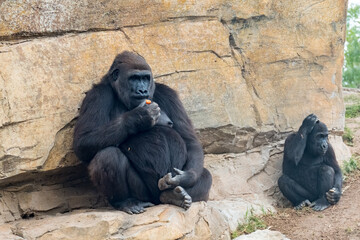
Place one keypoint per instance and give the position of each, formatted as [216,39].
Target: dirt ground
[341,221]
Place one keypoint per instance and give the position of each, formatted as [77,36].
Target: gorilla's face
[132,79]
[317,142]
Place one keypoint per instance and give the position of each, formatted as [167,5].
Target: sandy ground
[341,221]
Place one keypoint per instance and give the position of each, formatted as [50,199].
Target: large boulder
[248,72]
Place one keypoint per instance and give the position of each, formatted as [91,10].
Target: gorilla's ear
[115,74]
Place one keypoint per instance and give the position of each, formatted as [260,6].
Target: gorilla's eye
[322,135]
[147,77]
[115,74]
[134,78]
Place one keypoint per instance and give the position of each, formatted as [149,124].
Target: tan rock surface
[160,222]
[248,72]
[224,79]
[263,234]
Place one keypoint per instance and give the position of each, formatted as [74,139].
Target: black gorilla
[139,154]
[311,174]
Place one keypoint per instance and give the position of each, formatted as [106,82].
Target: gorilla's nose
[142,93]
[170,124]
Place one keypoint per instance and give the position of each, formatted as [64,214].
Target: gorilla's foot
[305,203]
[131,206]
[320,204]
[177,196]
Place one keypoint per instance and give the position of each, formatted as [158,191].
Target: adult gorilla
[133,160]
[311,174]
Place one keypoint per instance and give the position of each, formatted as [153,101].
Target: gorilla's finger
[143,103]
[147,204]
[127,210]
[178,171]
[174,181]
[135,211]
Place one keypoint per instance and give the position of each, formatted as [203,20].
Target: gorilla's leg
[325,183]
[326,179]
[183,197]
[112,174]
[200,191]
[295,193]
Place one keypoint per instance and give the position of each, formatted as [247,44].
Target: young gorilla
[137,156]
[311,174]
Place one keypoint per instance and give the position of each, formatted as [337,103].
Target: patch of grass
[348,136]
[353,98]
[252,223]
[351,165]
[352,111]
[349,230]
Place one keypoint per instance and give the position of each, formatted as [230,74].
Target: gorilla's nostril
[170,124]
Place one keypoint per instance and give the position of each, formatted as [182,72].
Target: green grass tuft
[353,98]
[351,165]
[352,111]
[348,136]
[251,224]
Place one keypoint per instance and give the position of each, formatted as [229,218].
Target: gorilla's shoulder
[100,92]
[100,89]
[164,90]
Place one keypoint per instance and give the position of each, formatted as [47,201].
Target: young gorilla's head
[317,142]
[131,78]
[164,120]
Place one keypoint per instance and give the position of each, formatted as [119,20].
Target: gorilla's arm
[169,102]
[95,130]
[295,144]
[333,196]
[294,147]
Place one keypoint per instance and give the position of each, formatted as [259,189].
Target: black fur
[130,147]
[311,174]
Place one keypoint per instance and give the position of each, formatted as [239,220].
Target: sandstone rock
[235,104]
[234,210]
[160,222]
[342,151]
[32,18]
[263,234]
[249,175]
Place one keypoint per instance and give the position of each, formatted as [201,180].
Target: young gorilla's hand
[333,195]
[308,124]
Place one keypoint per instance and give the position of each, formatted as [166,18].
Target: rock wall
[248,72]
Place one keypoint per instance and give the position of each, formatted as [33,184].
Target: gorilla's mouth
[140,97]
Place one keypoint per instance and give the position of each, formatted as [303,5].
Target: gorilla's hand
[154,112]
[308,124]
[171,182]
[333,195]
[150,112]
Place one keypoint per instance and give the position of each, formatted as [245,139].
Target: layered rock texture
[248,72]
